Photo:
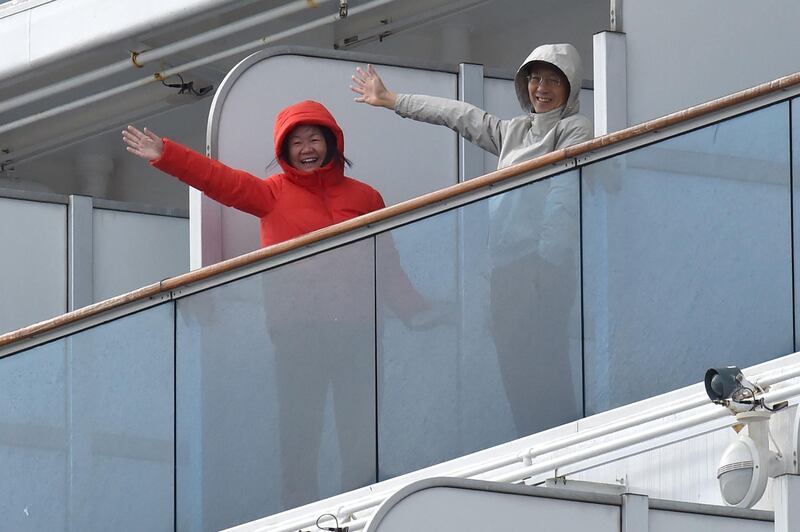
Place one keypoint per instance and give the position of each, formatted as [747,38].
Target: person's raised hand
[145,144]
[370,88]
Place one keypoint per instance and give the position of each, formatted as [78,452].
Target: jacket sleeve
[377,201]
[234,188]
[472,123]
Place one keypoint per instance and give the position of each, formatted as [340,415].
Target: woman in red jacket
[314,324]
[312,192]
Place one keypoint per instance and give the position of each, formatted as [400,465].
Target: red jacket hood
[308,112]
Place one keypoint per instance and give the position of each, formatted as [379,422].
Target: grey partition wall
[121,239]
[399,158]
[63,253]
[33,272]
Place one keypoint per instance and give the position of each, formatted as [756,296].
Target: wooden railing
[436,197]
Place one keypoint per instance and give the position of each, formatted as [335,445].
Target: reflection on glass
[276,389]
[687,259]
[86,429]
[506,360]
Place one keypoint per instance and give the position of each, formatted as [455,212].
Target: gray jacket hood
[564,57]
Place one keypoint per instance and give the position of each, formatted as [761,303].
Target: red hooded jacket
[289,204]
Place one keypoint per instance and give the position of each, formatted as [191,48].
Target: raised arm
[232,187]
[472,123]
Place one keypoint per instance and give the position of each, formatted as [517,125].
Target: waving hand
[146,144]
[369,85]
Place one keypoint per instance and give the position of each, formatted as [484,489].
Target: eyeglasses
[543,81]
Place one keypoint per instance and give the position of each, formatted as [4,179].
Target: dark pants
[530,303]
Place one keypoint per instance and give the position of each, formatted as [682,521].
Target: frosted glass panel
[276,389]
[796,205]
[483,345]
[687,258]
[86,429]
[33,286]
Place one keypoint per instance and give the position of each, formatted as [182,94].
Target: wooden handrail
[405,207]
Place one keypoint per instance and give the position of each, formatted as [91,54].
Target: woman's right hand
[369,85]
[146,144]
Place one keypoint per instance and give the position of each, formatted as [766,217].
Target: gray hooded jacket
[520,138]
[541,220]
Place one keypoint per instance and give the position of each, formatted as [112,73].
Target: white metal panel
[667,521]
[447,509]
[33,272]
[15,39]
[132,250]
[402,159]
[61,28]
[684,471]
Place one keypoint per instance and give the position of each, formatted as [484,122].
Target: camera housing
[748,462]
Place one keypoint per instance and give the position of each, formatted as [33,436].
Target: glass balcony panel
[687,258]
[86,429]
[796,208]
[483,344]
[276,389]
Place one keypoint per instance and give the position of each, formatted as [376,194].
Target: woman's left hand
[146,144]
[369,85]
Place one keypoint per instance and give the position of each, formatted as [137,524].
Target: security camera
[748,462]
[728,387]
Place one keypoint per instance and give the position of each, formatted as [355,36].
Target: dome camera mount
[748,462]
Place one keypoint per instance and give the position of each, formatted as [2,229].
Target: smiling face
[548,87]
[306,147]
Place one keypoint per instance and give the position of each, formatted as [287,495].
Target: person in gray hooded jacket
[547,84]
[532,233]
